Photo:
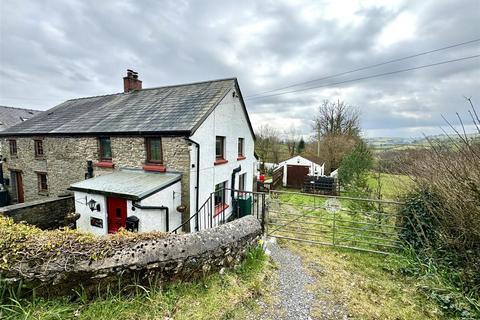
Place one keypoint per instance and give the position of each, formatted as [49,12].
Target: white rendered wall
[228,120]
[150,220]
[83,223]
[155,220]
[314,168]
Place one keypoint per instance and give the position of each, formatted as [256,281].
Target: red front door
[117,214]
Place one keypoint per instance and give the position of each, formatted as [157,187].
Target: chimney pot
[131,81]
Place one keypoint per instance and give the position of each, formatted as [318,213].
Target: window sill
[43,193]
[241,158]
[105,164]
[219,208]
[154,167]
[39,158]
[220,161]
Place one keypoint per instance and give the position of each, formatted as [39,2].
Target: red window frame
[13,147]
[148,146]
[220,152]
[101,151]
[38,145]
[42,182]
[241,147]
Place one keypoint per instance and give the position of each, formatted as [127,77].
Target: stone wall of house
[176,257]
[65,161]
[48,213]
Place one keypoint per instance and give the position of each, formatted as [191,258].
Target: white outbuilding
[297,168]
[143,201]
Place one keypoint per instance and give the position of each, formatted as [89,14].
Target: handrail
[191,217]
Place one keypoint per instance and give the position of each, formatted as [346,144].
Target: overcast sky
[51,51]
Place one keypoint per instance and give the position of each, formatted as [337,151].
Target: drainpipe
[234,172]
[2,182]
[167,218]
[197,183]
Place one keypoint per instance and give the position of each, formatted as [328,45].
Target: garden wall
[48,213]
[175,257]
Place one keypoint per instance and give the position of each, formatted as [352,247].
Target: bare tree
[266,143]
[291,139]
[335,119]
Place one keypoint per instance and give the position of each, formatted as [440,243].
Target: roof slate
[10,116]
[176,108]
[128,183]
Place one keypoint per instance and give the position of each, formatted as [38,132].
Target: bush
[442,217]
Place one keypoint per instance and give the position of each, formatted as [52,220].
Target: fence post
[333,233]
[263,213]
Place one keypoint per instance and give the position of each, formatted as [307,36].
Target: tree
[356,166]
[291,140]
[266,143]
[337,131]
[301,146]
[337,118]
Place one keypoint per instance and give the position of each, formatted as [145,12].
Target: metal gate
[361,224]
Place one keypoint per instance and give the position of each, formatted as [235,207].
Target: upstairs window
[38,148]
[42,182]
[105,149]
[220,148]
[154,150]
[13,147]
[240,146]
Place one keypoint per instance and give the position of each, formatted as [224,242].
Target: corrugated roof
[127,183]
[176,108]
[10,116]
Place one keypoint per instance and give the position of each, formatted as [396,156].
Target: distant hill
[398,143]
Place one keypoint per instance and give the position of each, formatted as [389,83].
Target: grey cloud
[54,50]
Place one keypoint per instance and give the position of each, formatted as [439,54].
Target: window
[220,193]
[38,148]
[220,148]
[240,147]
[13,147]
[154,150]
[42,182]
[105,149]
[241,182]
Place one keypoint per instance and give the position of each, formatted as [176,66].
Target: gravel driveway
[293,300]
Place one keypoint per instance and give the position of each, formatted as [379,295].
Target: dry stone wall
[177,257]
[49,213]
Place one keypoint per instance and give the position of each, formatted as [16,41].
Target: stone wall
[65,160]
[49,213]
[177,257]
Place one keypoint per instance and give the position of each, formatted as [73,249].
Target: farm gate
[361,224]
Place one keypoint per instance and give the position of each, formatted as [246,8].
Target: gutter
[167,218]
[197,182]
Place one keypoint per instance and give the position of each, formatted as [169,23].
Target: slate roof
[127,183]
[10,116]
[177,109]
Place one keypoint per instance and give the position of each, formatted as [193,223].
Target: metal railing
[356,223]
[226,205]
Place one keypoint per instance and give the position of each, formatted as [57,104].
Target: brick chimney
[131,82]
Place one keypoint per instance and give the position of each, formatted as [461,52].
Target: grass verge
[219,296]
[370,286]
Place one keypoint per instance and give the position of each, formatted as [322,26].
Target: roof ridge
[153,88]
[19,108]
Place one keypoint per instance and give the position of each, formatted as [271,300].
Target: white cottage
[147,158]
